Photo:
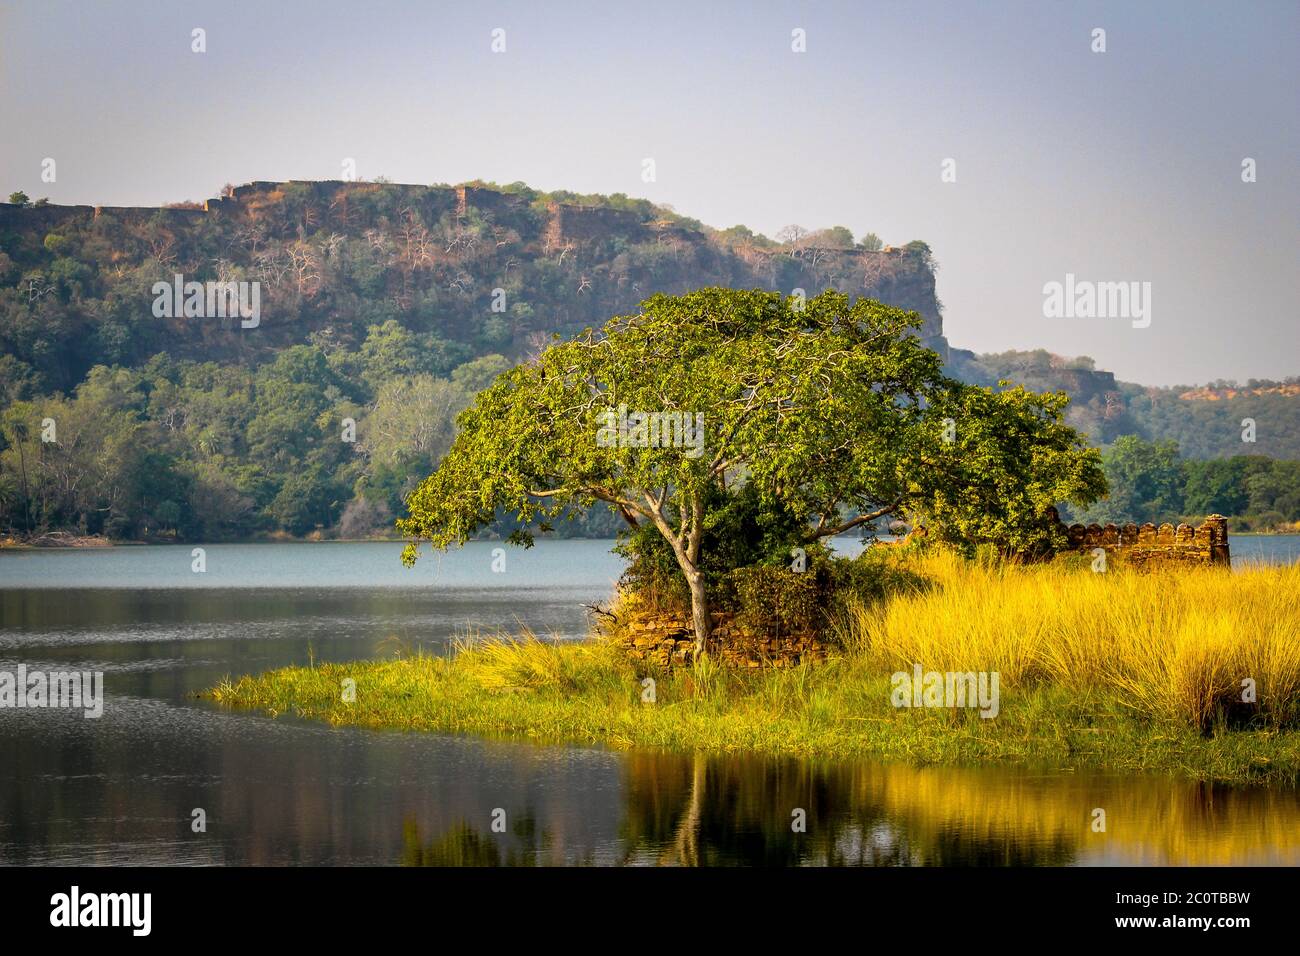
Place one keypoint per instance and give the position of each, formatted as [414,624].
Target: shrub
[777,597]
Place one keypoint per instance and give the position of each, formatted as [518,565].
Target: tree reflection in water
[719,810]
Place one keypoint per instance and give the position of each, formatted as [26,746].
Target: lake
[123,788]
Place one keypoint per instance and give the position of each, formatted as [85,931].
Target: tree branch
[823,532]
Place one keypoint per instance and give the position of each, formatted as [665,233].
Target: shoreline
[88,542]
[1124,671]
[584,694]
[94,543]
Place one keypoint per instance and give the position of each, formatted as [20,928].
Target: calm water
[121,789]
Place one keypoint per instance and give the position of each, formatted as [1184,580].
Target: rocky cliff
[493,269]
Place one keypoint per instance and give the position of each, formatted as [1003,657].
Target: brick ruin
[665,640]
[1151,546]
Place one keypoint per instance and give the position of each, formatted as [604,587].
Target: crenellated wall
[1151,545]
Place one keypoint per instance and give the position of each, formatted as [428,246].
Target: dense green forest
[311,440]
[383,309]
[1151,481]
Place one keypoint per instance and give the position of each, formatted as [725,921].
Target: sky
[1115,166]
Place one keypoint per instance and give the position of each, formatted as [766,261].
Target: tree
[308,500]
[920,251]
[475,375]
[836,237]
[1275,492]
[393,351]
[17,436]
[1145,479]
[1218,486]
[409,429]
[832,412]
[19,198]
[1010,457]
[792,235]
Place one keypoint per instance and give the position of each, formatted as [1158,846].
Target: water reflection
[710,811]
[279,791]
[723,811]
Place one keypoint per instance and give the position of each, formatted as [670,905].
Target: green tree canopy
[831,410]
[1145,479]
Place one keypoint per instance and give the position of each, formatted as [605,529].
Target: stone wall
[579,224]
[45,218]
[1149,545]
[666,640]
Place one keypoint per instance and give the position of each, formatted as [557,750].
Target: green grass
[586,693]
[1120,671]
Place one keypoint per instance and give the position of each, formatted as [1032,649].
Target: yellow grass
[1174,644]
[1122,671]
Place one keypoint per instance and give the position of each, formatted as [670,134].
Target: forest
[1151,481]
[386,308]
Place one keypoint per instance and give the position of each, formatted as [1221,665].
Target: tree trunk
[700,618]
[686,548]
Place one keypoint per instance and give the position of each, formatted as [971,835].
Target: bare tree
[793,236]
[162,249]
[334,244]
[252,236]
[36,288]
[272,266]
[342,210]
[416,241]
[303,261]
[535,343]
[875,267]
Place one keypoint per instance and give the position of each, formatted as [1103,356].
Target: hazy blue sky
[1115,166]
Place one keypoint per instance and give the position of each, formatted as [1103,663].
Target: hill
[1207,422]
[474,269]
[381,310]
